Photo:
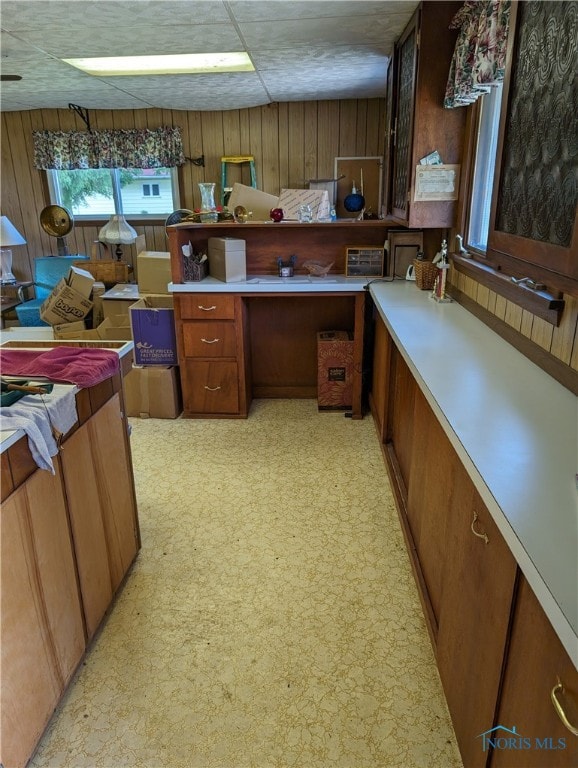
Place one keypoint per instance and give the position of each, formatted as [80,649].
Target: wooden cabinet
[418,122]
[211,331]
[400,417]
[67,541]
[433,471]
[498,656]
[536,664]
[41,630]
[479,574]
[102,508]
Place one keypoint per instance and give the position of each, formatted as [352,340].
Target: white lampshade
[117,231]
[9,235]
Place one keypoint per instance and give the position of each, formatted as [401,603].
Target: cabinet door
[433,467]
[41,628]
[536,662]
[406,68]
[380,376]
[479,577]
[210,387]
[102,508]
[400,416]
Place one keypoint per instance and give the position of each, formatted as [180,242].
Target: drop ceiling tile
[63,15]
[276,11]
[326,32]
[106,41]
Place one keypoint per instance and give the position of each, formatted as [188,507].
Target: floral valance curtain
[480,53]
[138,148]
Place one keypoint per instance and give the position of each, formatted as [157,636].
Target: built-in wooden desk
[258,338]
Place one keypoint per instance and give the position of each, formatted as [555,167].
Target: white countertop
[273,284]
[515,429]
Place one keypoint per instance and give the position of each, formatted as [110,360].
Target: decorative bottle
[209,213]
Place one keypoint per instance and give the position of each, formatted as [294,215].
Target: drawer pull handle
[559,710]
[210,341]
[212,389]
[483,536]
[207,309]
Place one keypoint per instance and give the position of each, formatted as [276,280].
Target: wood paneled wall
[291,143]
[561,342]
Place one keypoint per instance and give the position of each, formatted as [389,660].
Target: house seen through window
[98,193]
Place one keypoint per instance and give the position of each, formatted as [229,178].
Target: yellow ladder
[237,160]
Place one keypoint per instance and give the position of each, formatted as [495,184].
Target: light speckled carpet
[271,619]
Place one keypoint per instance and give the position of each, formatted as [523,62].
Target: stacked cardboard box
[70,300]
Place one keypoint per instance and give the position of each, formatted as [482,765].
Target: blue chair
[48,270]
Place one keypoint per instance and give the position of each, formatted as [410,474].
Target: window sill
[539,303]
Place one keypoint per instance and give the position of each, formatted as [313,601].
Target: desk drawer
[207,306]
[209,339]
[212,387]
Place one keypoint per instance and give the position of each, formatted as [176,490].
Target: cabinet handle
[483,536]
[207,309]
[210,341]
[212,389]
[559,710]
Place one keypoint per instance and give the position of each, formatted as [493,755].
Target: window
[99,193]
[485,162]
[151,189]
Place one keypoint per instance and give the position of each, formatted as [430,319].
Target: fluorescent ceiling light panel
[175,64]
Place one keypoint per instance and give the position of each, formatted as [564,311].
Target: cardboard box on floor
[334,370]
[152,393]
[69,300]
[153,330]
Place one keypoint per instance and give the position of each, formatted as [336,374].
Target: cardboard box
[256,202]
[153,271]
[69,330]
[69,300]
[227,260]
[115,328]
[152,393]
[81,281]
[334,370]
[64,305]
[118,300]
[318,199]
[153,331]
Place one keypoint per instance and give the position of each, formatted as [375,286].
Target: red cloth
[76,365]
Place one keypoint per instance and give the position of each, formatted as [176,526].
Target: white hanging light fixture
[9,235]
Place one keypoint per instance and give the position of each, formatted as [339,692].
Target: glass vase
[209,213]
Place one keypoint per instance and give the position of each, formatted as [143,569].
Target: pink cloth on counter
[76,365]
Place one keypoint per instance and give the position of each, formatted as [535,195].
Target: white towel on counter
[38,415]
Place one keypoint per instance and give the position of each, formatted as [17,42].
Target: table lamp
[9,235]
[117,232]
